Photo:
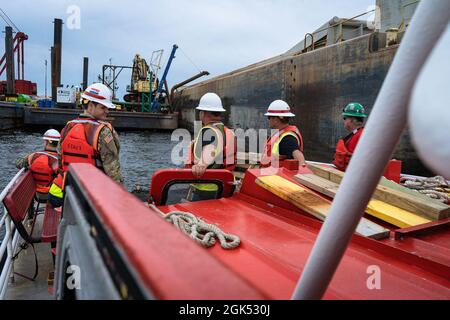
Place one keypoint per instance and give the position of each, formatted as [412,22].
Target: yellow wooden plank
[425,207]
[295,194]
[379,209]
[393,215]
[313,204]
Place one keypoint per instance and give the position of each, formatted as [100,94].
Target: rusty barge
[14,115]
[343,61]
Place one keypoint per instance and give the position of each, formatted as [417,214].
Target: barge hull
[317,84]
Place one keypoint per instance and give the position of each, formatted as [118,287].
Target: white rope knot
[200,231]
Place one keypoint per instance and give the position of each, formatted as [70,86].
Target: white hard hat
[51,135]
[210,102]
[99,93]
[279,108]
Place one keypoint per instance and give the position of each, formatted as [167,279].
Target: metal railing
[339,24]
[9,242]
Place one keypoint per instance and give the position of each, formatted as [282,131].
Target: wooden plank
[393,215]
[393,185]
[318,184]
[427,208]
[313,204]
[328,173]
[379,209]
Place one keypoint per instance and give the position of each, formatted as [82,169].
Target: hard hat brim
[281,115]
[109,105]
[354,115]
[50,139]
[200,108]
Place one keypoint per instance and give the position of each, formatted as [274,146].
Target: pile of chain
[436,188]
[201,232]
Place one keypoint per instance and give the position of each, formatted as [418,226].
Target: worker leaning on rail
[89,139]
[43,164]
[353,116]
[214,147]
[286,143]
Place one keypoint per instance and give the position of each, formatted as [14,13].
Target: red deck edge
[170,266]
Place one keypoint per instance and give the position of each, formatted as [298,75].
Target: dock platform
[14,115]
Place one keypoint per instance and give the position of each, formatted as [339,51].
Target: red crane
[22,85]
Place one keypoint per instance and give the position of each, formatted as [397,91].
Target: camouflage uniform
[108,148]
[22,163]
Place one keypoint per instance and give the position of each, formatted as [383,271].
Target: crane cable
[190,59]
[11,22]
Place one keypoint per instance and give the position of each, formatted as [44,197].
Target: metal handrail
[334,25]
[344,21]
[10,240]
[312,41]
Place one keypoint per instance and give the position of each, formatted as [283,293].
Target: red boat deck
[276,244]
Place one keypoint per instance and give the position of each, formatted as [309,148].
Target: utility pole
[9,54]
[85,72]
[56,57]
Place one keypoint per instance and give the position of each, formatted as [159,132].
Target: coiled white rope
[201,232]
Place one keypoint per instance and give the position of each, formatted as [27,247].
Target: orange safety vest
[44,167]
[228,149]
[275,139]
[342,155]
[79,142]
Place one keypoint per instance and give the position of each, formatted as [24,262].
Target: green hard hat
[354,110]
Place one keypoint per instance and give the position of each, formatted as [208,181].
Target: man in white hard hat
[43,164]
[89,138]
[214,147]
[286,143]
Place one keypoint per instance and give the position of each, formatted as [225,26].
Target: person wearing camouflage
[89,139]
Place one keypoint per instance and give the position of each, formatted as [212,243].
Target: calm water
[141,154]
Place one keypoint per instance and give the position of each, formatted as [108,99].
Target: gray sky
[218,36]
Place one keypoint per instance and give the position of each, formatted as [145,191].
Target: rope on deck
[201,232]
[435,187]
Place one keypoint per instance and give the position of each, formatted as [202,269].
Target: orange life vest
[60,180]
[44,167]
[275,140]
[342,155]
[228,149]
[79,142]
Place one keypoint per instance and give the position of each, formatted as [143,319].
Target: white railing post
[9,242]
